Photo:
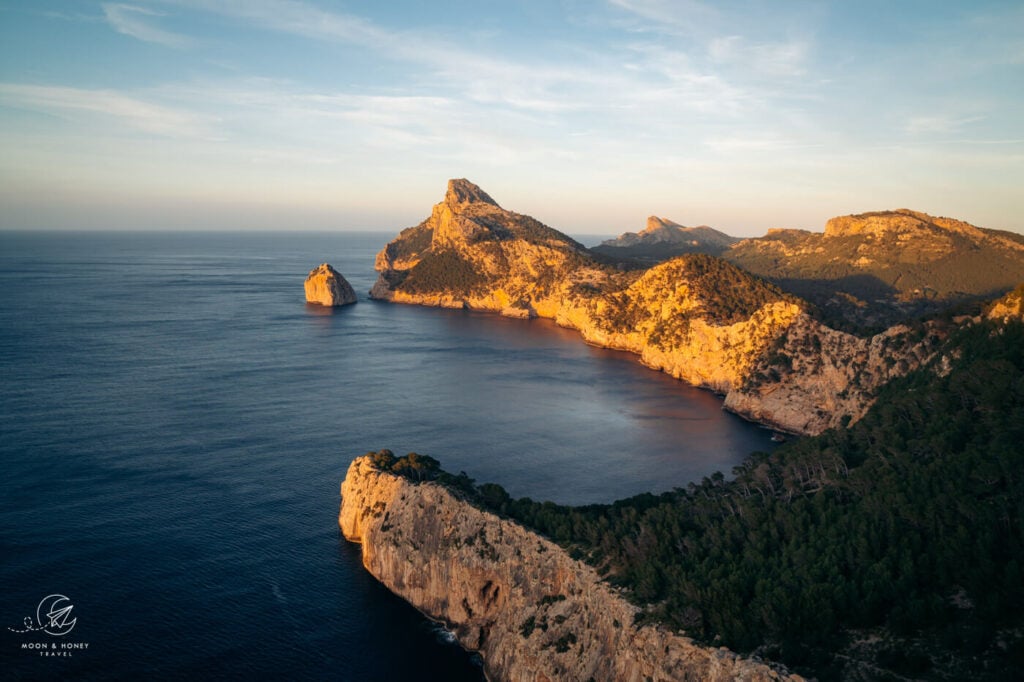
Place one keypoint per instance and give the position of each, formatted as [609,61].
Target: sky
[588,115]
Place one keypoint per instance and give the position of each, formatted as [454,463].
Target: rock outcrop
[531,611]
[663,238]
[1009,307]
[815,377]
[326,286]
[884,267]
[695,317]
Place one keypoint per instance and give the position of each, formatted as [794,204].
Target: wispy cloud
[667,77]
[631,77]
[299,18]
[136,113]
[685,17]
[774,59]
[937,124]
[742,144]
[749,48]
[138,22]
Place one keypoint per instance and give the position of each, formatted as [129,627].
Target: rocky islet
[326,286]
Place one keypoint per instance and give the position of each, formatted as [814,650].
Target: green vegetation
[726,295]
[729,294]
[413,466]
[410,242]
[658,252]
[536,232]
[444,272]
[897,543]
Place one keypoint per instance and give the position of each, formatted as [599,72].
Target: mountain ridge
[662,235]
[870,270]
[696,317]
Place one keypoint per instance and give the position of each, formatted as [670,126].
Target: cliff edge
[532,612]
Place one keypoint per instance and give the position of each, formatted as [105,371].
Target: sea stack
[326,286]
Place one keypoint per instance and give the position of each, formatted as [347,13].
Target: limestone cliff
[815,377]
[695,317]
[532,612]
[326,286]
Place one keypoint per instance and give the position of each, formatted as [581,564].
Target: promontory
[696,317]
[532,612]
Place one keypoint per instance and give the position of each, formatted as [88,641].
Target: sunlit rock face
[817,378]
[695,317]
[530,610]
[326,286]
[1009,307]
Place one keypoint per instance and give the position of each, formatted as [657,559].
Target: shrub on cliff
[414,466]
[443,272]
[417,467]
[382,459]
[729,294]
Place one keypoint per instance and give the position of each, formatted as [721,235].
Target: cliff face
[815,378]
[695,317]
[531,611]
[326,286]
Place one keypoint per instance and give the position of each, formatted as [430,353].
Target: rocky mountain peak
[662,233]
[654,223]
[462,192]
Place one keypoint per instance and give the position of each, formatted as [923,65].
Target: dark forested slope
[893,548]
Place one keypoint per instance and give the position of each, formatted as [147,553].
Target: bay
[176,422]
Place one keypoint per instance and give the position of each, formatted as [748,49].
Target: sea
[175,423]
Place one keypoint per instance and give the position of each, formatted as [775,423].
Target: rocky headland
[696,317]
[327,287]
[786,558]
[530,610]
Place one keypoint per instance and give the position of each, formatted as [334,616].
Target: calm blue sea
[176,422]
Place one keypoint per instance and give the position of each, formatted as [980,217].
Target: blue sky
[590,116]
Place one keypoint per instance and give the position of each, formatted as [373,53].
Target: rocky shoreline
[532,612]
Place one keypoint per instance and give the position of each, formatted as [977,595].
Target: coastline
[512,596]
